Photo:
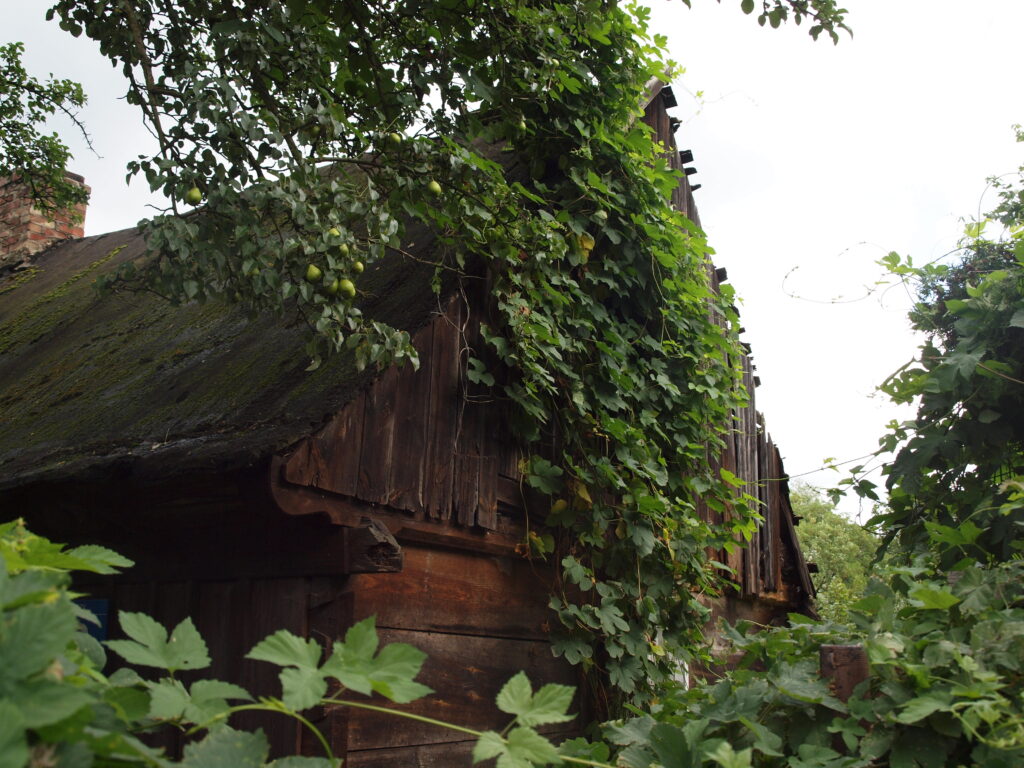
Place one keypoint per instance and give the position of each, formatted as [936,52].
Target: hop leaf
[149,645]
[548,705]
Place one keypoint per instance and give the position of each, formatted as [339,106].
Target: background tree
[956,475]
[842,550]
[38,159]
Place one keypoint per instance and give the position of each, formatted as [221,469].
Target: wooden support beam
[370,548]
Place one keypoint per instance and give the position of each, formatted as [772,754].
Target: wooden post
[845,666]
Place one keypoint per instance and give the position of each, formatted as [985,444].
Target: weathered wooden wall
[479,612]
[421,442]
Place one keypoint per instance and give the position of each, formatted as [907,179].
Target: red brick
[24,230]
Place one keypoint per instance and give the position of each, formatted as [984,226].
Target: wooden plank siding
[426,442]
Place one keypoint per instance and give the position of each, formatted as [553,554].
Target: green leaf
[13,745]
[933,599]
[44,702]
[514,697]
[391,673]
[672,747]
[168,699]
[98,559]
[526,747]
[206,700]
[28,587]
[361,639]
[489,745]
[33,637]
[302,687]
[150,646]
[209,698]
[297,761]
[227,748]
[544,476]
[286,649]
[725,756]
[303,684]
[548,705]
[919,708]
[129,703]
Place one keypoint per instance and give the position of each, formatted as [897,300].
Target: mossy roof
[90,381]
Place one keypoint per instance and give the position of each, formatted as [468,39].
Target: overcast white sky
[815,160]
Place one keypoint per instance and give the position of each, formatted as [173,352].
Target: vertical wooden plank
[300,466]
[346,440]
[408,465]
[273,604]
[442,411]
[770,483]
[731,461]
[330,459]
[747,470]
[492,437]
[378,439]
[780,489]
[765,528]
[467,465]
[329,617]
[466,481]
[219,614]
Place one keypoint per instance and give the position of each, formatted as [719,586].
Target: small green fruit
[394,140]
[522,126]
[358,267]
[333,287]
[343,249]
[434,188]
[601,215]
[313,273]
[334,232]
[347,287]
[194,196]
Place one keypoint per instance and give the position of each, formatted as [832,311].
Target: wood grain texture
[448,754]
[466,674]
[443,411]
[378,439]
[459,593]
[408,469]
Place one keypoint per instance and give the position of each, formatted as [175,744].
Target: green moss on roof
[89,379]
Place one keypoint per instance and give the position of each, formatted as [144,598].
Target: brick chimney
[25,230]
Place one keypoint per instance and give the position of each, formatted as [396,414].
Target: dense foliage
[957,469]
[946,663]
[299,139]
[841,549]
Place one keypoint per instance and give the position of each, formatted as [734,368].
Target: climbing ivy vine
[299,138]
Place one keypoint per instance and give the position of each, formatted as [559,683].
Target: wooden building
[254,495]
